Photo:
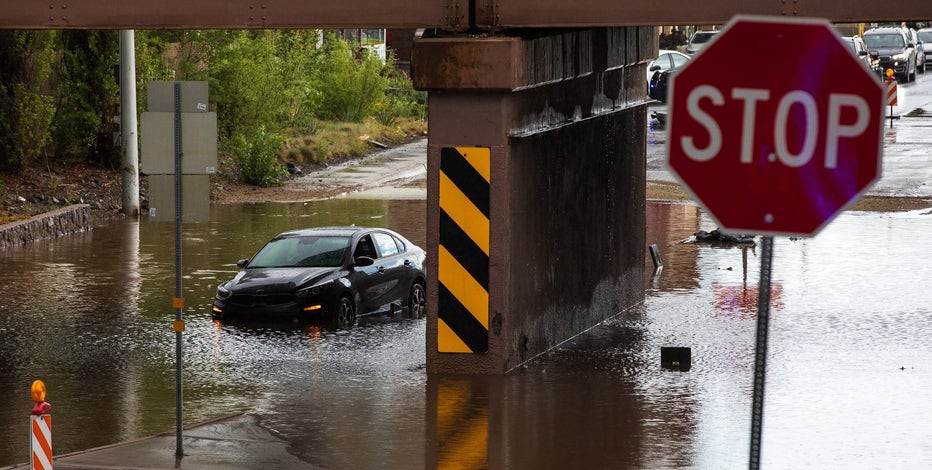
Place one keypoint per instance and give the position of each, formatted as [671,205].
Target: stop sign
[775,126]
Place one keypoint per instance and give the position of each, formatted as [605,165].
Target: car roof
[889,30]
[346,231]
[352,231]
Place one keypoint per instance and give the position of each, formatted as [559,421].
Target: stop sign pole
[774,139]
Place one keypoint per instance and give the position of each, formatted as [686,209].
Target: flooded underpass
[847,370]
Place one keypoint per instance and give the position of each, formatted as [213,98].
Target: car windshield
[875,41]
[925,36]
[301,251]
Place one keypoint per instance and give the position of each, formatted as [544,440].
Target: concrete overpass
[536,151]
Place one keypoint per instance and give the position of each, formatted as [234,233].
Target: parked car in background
[699,40]
[893,51]
[666,59]
[856,44]
[925,35]
[659,84]
[332,273]
[920,54]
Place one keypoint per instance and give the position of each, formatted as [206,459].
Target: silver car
[917,43]
[699,40]
[925,35]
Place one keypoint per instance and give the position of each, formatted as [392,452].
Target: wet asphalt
[240,441]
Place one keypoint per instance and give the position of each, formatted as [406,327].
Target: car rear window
[386,243]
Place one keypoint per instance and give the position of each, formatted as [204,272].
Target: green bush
[258,158]
[401,100]
[262,78]
[350,83]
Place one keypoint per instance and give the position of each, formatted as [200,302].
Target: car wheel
[346,313]
[417,301]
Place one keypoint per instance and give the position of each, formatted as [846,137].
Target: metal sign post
[178,301]
[760,352]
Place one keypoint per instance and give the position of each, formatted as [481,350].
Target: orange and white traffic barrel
[40,444]
[890,89]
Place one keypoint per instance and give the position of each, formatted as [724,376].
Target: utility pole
[128,131]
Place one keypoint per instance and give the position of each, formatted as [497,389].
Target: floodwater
[848,364]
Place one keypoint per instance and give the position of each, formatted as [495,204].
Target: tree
[25,112]
[87,78]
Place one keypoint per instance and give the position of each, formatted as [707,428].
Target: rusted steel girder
[444,14]
[223,14]
[589,13]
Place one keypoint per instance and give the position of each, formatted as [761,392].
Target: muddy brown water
[848,366]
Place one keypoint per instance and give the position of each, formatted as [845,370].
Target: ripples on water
[847,367]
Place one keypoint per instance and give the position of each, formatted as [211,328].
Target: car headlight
[223,293]
[899,56]
[313,290]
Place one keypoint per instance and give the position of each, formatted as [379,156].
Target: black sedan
[332,273]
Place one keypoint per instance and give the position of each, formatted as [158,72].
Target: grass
[329,142]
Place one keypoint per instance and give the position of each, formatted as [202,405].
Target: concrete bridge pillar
[536,189]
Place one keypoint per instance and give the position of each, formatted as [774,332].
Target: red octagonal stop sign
[775,126]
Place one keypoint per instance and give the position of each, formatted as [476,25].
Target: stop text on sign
[834,129]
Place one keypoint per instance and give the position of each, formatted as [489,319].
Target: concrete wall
[576,236]
[57,223]
[563,119]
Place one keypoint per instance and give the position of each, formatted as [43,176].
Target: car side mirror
[862,52]
[364,261]
[654,68]
[242,263]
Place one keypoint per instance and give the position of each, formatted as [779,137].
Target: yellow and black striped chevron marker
[463,256]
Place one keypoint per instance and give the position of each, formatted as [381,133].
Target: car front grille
[261,299]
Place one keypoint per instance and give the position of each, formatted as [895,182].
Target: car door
[366,279]
[393,269]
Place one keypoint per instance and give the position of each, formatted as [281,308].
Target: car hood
[271,280]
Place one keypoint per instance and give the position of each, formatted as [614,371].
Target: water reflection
[91,316]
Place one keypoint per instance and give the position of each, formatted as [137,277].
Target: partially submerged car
[330,273]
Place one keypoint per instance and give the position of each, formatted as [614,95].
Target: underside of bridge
[536,176]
